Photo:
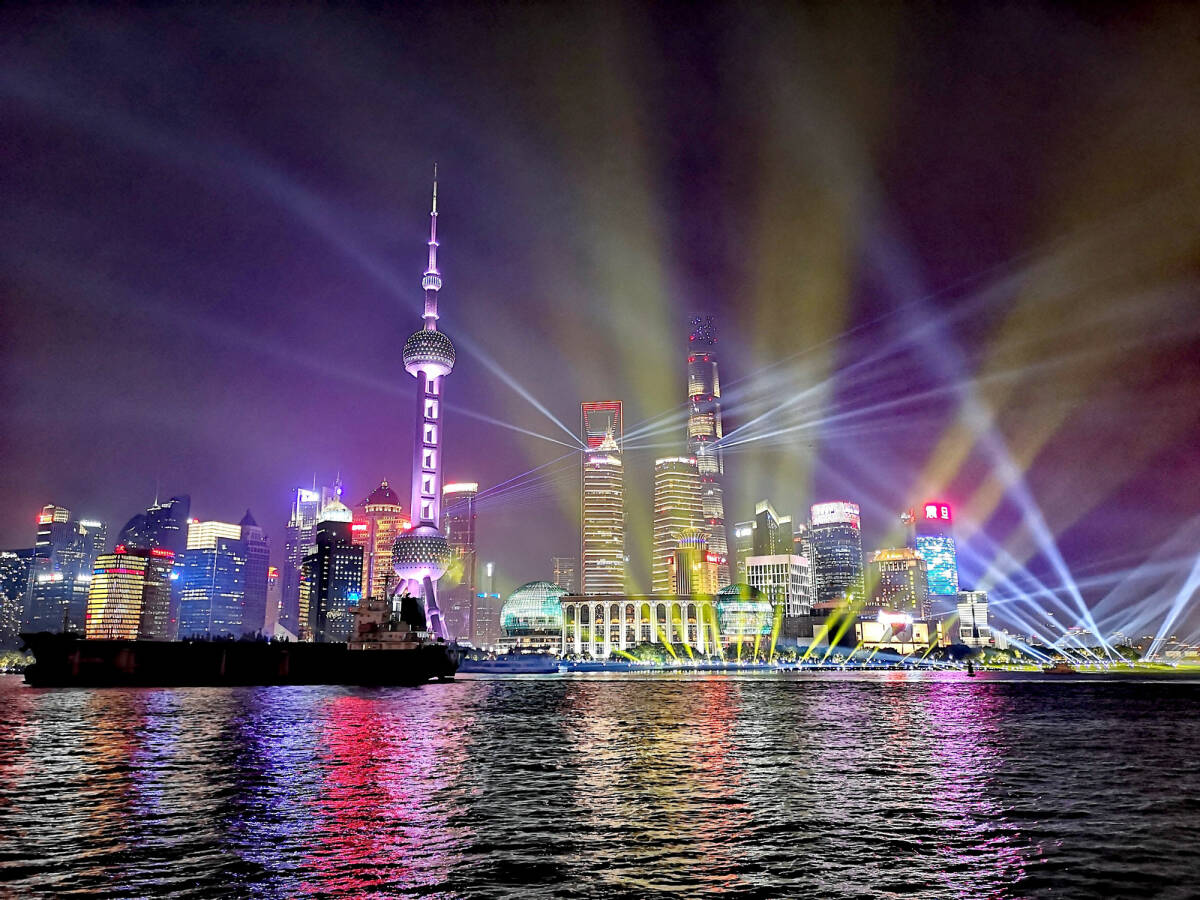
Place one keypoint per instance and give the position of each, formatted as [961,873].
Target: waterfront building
[378,520]
[164,526]
[14,588]
[64,554]
[129,597]
[564,572]
[898,581]
[598,626]
[802,544]
[695,569]
[973,628]
[421,555]
[602,531]
[299,541]
[705,430]
[785,579]
[837,548]
[934,541]
[897,632]
[531,618]
[676,510]
[258,563]
[331,581]
[213,596]
[458,503]
[746,617]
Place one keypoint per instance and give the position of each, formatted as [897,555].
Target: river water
[610,786]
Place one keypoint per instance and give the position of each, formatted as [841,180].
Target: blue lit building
[934,543]
[212,598]
[331,581]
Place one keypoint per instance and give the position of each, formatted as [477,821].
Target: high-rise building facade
[458,515]
[934,541]
[898,581]
[565,572]
[705,430]
[163,526]
[743,546]
[785,579]
[694,568]
[602,550]
[836,529]
[421,555]
[299,541]
[331,583]
[676,510]
[258,564]
[973,628]
[378,521]
[129,597]
[64,553]
[14,589]
[213,597]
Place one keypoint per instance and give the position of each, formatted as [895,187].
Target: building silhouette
[676,510]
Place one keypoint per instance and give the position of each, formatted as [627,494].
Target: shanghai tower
[421,555]
[704,431]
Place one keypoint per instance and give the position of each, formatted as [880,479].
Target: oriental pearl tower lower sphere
[420,556]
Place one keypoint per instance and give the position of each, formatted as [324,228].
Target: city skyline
[916,330]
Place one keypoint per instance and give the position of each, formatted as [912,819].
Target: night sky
[952,253]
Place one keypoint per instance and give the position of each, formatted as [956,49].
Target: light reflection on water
[603,786]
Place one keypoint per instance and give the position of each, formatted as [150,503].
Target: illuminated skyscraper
[837,546]
[564,572]
[420,555]
[973,628]
[676,510]
[899,581]
[743,547]
[258,562]
[600,419]
[129,597]
[65,551]
[458,500]
[331,582]
[378,521]
[693,566]
[299,541]
[14,588]
[213,598]
[935,543]
[602,548]
[164,525]
[704,430]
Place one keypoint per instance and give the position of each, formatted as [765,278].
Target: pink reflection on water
[966,725]
[378,821]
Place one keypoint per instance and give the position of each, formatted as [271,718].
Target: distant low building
[602,625]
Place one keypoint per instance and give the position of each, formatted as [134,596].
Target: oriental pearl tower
[420,556]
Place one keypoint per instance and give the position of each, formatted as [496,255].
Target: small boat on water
[1059,668]
[511,664]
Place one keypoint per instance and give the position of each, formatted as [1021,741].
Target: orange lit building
[377,521]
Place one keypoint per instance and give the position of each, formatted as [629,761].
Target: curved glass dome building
[743,611]
[532,618]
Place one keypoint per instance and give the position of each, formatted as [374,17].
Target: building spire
[432,282]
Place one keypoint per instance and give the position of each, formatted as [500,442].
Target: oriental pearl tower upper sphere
[421,555]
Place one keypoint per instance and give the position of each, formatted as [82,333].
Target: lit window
[427,485]
[429,459]
[431,409]
[430,433]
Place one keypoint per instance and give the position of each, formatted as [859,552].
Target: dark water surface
[769,787]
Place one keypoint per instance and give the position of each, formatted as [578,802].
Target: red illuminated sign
[935,509]
[160,551]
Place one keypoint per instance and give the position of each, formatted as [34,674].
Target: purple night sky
[965,241]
